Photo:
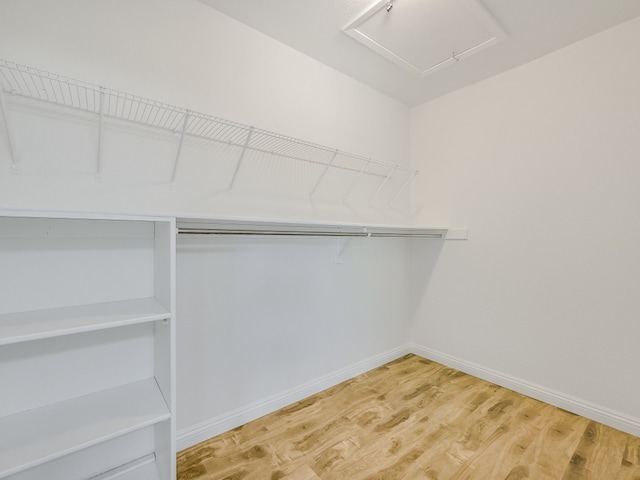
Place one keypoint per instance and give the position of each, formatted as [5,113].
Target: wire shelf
[33,83]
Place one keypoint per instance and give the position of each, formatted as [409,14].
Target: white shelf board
[142,469]
[34,437]
[84,215]
[146,472]
[38,324]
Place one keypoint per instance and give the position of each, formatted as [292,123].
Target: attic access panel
[423,36]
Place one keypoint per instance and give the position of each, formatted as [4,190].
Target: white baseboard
[190,436]
[595,412]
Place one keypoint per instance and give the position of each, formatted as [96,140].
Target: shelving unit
[240,141]
[87,357]
[87,328]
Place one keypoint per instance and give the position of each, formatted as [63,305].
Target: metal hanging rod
[296,233]
[311,233]
[33,83]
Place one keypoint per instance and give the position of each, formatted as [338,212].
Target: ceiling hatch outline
[374,28]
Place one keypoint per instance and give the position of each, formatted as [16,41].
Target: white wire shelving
[33,83]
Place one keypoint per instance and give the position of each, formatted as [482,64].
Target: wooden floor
[416,419]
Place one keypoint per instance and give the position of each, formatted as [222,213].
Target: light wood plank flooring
[415,419]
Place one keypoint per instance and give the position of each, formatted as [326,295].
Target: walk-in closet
[256,224]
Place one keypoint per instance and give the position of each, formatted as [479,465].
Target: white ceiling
[533,28]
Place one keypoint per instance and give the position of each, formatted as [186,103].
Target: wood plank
[604,452]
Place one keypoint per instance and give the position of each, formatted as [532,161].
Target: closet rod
[301,233]
[406,235]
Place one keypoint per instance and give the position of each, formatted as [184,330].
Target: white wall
[541,163]
[259,321]
[269,321]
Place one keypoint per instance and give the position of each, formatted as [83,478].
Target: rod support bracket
[341,245]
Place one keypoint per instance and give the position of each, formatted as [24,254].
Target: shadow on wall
[422,260]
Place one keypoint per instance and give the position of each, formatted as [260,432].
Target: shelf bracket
[185,123]
[406,184]
[355,180]
[244,151]
[384,182]
[100,123]
[324,172]
[15,163]
[341,245]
